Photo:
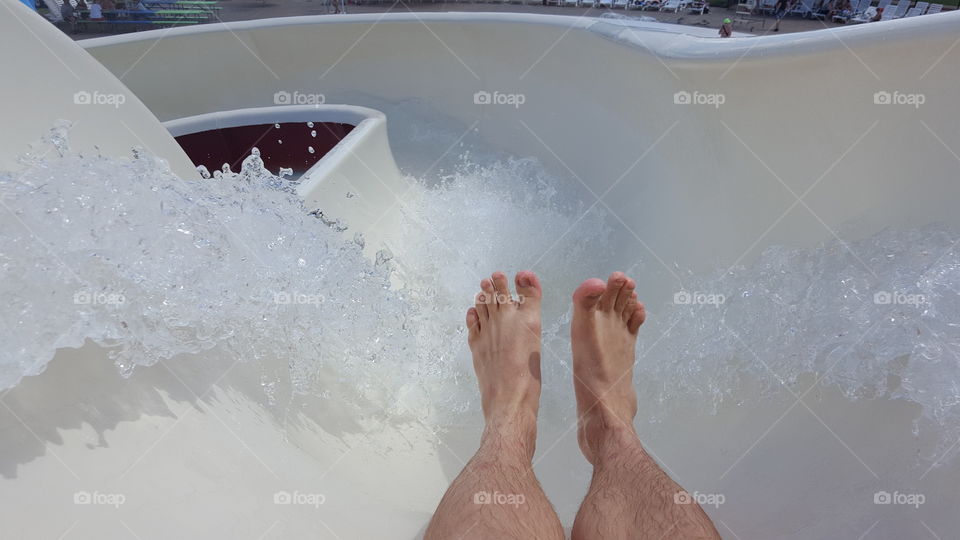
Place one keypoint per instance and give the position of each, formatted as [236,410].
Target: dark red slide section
[281,145]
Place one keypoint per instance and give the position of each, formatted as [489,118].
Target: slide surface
[706,151]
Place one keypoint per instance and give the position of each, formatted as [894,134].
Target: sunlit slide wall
[701,152]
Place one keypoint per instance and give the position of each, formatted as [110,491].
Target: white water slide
[814,386]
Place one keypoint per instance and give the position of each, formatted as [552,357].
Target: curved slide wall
[695,185]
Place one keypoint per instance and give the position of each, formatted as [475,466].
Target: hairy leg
[630,496]
[497,495]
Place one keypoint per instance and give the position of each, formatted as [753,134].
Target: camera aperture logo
[96,97]
[90,298]
[696,97]
[703,499]
[698,298]
[298,98]
[499,98]
[898,298]
[499,298]
[904,499]
[100,499]
[896,97]
[299,498]
[285,298]
[511,499]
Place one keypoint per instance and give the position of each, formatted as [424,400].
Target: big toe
[588,294]
[529,291]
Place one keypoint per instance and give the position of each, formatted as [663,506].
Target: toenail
[524,281]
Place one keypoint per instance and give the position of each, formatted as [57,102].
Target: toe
[588,294]
[528,289]
[486,285]
[609,298]
[482,300]
[639,315]
[502,288]
[624,296]
[629,307]
[473,323]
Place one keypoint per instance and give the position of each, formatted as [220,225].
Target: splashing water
[125,254]
[875,318]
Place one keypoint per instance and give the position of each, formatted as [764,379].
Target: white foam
[125,254]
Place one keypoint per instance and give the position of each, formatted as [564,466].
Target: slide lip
[278,114]
[662,39]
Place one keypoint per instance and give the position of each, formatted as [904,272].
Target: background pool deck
[243,10]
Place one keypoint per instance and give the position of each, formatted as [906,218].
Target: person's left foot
[504,336]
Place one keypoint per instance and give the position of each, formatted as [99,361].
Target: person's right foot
[606,320]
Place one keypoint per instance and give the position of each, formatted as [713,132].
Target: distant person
[69,15]
[108,5]
[726,29]
[841,8]
[780,9]
[96,11]
[878,15]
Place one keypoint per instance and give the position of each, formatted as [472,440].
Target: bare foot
[505,340]
[606,319]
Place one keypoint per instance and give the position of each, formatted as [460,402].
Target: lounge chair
[890,12]
[934,8]
[745,8]
[767,6]
[864,17]
[673,5]
[856,10]
[902,8]
[803,8]
[698,7]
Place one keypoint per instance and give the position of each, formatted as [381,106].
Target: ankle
[604,434]
[512,438]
